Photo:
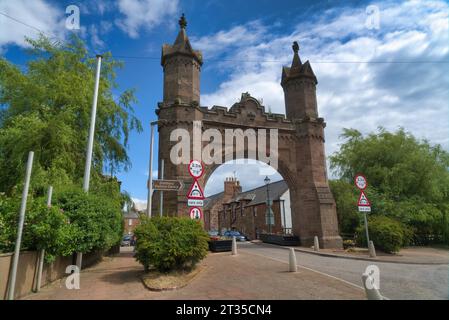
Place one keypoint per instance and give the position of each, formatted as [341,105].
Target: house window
[130,222]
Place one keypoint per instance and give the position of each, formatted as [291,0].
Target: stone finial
[183,22]
[295,47]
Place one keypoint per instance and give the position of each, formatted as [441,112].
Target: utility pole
[23,205]
[150,173]
[90,143]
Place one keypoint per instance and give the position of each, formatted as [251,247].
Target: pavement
[244,276]
[398,280]
[411,255]
[259,271]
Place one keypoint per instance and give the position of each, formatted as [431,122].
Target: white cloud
[37,13]
[352,93]
[144,14]
[238,36]
[250,173]
[139,204]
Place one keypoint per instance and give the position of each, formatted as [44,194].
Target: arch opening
[236,198]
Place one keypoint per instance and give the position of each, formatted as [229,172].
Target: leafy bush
[96,222]
[388,234]
[168,243]
[44,228]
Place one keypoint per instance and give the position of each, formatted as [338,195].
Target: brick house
[233,209]
[130,221]
[131,216]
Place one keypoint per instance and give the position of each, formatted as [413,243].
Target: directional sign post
[168,185]
[363,202]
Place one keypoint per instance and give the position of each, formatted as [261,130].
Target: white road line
[313,270]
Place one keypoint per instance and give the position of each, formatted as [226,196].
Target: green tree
[46,108]
[408,179]
[345,195]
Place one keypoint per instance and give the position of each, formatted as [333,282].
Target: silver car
[126,241]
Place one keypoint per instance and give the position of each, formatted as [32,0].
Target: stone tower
[178,110]
[314,198]
[182,68]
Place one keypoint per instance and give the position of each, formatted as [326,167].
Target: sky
[378,63]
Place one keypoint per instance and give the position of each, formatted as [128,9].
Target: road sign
[168,185]
[195,203]
[364,209]
[360,182]
[363,203]
[363,200]
[195,191]
[196,169]
[196,213]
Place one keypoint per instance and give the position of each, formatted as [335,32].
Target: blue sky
[389,76]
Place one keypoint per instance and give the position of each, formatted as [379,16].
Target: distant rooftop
[255,196]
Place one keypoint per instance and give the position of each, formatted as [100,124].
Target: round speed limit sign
[360,182]
[196,169]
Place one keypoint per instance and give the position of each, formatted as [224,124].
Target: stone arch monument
[301,157]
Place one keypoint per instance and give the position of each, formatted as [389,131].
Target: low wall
[27,270]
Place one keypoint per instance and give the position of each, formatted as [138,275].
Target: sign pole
[23,204]
[161,203]
[366,228]
[363,203]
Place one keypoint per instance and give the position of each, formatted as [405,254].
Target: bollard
[373,292]
[316,244]
[372,249]
[292,267]
[234,246]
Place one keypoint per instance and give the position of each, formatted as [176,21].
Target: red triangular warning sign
[363,200]
[195,191]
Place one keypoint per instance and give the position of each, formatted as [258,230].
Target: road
[398,281]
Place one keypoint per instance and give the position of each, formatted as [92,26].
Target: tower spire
[296,63]
[182,22]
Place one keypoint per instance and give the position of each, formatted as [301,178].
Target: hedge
[388,234]
[170,243]
[76,222]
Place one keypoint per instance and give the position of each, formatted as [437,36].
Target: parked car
[126,241]
[213,233]
[232,233]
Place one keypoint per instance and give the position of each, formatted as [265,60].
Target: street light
[267,183]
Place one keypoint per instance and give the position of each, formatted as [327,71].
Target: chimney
[231,188]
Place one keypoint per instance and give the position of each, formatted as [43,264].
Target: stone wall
[27,270]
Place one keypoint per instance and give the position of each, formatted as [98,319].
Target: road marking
[310,269]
